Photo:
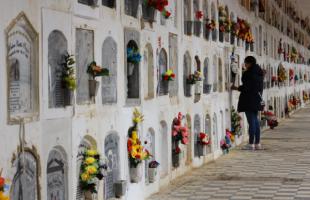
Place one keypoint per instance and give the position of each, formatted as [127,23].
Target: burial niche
[111,150]
[109,61]
[25,182]
[22,66]
[57,175]
[57,49]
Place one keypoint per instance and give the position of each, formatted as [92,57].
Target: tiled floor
[280,172]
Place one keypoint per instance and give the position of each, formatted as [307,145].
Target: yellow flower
[91,169]
[169,72]
[85,177]
[91,152]
[90,160]
[3,197]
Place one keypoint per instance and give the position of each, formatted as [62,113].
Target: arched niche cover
[111,150]
[132,71]
[109,60]
[57,49]
[162,62]
[57,175]
[173,64]
[187,62]
[25,184]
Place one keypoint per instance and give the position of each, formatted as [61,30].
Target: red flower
[2,182]
[166,77]
[173,75]
[177,150]
[199,14]
[129,145]
[167,14]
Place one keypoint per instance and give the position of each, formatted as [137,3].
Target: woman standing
[250,99]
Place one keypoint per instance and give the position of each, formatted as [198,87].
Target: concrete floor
[280,172]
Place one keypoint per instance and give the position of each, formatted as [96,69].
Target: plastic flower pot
[93,87]
[152,172]
[148,13]
[247,46]
[221,36]
[175,160]
[135,173]
[67,97]
[120,188]
[207,34]
[197,28]
[88,195]
[188,27]
[93,2]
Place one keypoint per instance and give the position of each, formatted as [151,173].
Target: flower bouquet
[211,24]
[179,135]
[202,141]
[274,79]
[282,74]
[152,171]
[271,119]
[133,55]
[168,75]
[91,171]
[225,144]
[236,123]
[94,70]
[68,77]
[136,151]
[193,78]
[4,188]
[159,5]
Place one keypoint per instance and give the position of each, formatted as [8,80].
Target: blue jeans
[254,127]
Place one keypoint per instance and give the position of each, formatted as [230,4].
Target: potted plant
[210,26]
[94,70]
[198,23]
[202,141]
[152,171]
[193,78]
[91,171]
[166,78]
[168,75]
[68,78]
[136,151]
[179,135]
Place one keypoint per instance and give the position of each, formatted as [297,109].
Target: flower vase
[120,188]
[175,160]
[93,87]
[207,34]
[135,173]
[88,195]
[68,97]
[221,36]
[201,149]
[247,46]
[198,88]
[197,28]
[152,172]
[148,13]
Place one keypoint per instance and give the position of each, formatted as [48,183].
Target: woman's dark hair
[250,60]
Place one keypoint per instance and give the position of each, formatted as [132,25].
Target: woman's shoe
[258,147]
[249,147]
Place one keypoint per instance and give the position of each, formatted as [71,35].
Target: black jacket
[252,85]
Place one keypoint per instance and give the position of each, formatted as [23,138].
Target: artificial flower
[199,14]
[91,169]
[90,160]
[85,177]
[91,152]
